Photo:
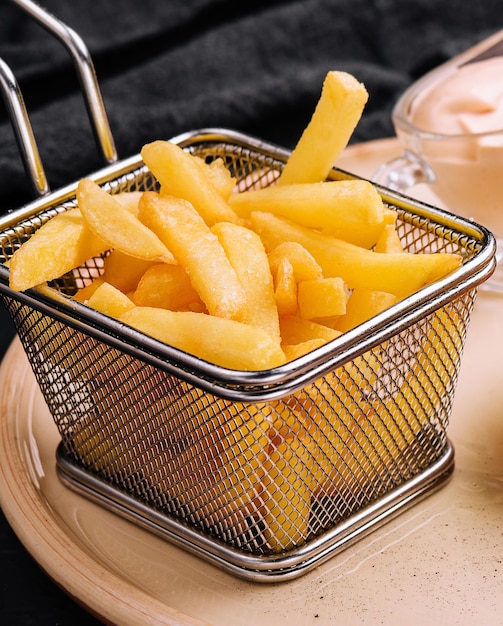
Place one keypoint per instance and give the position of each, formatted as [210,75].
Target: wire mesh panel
[250,471]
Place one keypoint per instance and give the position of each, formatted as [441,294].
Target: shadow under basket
[264,474]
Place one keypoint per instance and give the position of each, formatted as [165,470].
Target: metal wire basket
[265,474]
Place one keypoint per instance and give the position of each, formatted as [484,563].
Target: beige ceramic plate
[439,562]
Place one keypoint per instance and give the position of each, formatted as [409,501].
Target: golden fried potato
[247,255]
[362,305]
[229,493]
[167,287]
[124,271]
[348,209]
[295,330]
[287,494]
[285,288]
[180,175]
[388,240]
[335,117]
[226,342]
[322,297]
[198,251]
[303,263]
[296,350]
[129,200]
[219,176]
[84,293]
[122,230]
[60,245]
[109,300]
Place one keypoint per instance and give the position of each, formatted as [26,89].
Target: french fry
[198,251]
[122,230]
[231,492]
[98,448]
[362,305]
[219,176]
[109,300]
[322,297]
[287,494]
[329,322]
[84,293]
[60,245]
[295,351]
[247,255]
[295,330]
[124,271]
[303,263]
[285,288]
[245,347]
[129,200]
[400,273]
[348,209]
[334,408]
[335,117]
[324,439]
[180,175]
[388,240]
[167,287]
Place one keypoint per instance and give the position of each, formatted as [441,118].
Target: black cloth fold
[166,67]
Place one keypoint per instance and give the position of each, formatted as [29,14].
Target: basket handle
[22,129]
[89,84]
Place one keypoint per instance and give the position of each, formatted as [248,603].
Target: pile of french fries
[277,272]
[249,281]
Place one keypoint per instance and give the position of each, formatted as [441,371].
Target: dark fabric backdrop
[171,66]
